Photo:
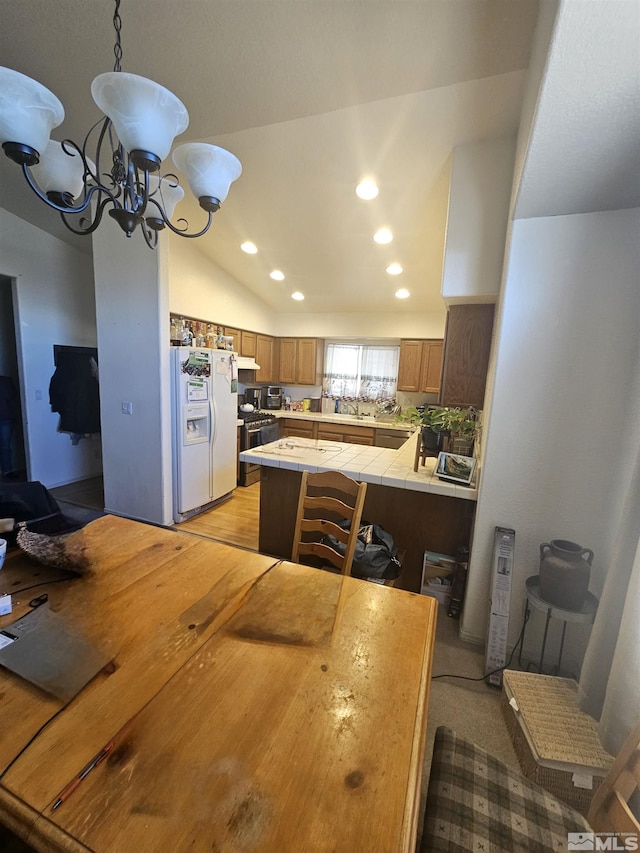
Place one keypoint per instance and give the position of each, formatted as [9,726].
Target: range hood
[246,363]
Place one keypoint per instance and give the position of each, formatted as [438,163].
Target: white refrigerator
[204,386]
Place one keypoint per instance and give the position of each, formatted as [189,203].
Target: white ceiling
[584,152]
[311,95]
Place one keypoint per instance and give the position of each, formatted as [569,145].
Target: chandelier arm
[67,208]
[150,236]
[182,232]
[96,222]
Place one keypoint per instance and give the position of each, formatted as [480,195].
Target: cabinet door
[248,341]
[308,369]
[329,436]
[409,365]
[359,436]
[431,366]
[301,429]
[467,345]
[235,334]
[288,361]
[264,357]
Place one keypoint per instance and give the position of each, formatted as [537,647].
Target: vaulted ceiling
[311,95]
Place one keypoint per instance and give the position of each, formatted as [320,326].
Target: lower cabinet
[348,434]
[327,431]
[298,429]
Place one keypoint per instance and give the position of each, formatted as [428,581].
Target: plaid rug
[477,803]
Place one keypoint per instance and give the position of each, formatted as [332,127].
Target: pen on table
[71,787]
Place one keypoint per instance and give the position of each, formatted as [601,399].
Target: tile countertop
[352,420]
[378,465]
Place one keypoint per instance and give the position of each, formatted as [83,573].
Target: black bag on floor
[375,555]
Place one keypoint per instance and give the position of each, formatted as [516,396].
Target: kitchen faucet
[348,406]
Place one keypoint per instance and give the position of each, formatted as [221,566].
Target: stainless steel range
[259,428]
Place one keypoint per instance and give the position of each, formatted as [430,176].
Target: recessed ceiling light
[249,247]
[297,295]
[383,235]
[394,269]
[277,275]
[367,189]
[402,293]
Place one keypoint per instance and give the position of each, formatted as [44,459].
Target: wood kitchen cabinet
[266,357]
[288,360]
[236,335]
[466,354]
[420,365]
[299,429]
[248,344]
[346,432]
[301,361]
[431,369]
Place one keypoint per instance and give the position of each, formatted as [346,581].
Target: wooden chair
[609,810]
[325,499]
[476,802]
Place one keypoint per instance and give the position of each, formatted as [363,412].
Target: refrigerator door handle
[213,414]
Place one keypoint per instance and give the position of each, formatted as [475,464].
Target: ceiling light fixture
[297,295]
[141,120]
[382,236]
[394,269]
[403,293]
[277,275]
[367,189]
[249,247]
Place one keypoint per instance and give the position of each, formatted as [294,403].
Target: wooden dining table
[249,703]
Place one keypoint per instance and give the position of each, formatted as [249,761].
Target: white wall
[132,309]
[55,305]
[362,325]
[199,288]
[479,198]
[563,411]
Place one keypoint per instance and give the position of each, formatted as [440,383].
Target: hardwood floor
[235,521]
[88,493]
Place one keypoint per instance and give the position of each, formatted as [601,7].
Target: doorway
[9,367]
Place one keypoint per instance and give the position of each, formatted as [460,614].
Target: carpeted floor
[471,708]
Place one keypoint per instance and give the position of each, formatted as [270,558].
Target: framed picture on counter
[455,468]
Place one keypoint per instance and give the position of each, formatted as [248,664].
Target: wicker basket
[553,740]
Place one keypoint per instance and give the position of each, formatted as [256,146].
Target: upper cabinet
[466,354]
[301,361]
[431,366]
[266,356]
[248,344]
[236,335]
[420,365]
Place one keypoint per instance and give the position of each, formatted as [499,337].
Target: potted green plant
[431,421]
[462,427]
[459,425]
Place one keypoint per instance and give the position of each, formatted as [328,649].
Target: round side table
[586,614]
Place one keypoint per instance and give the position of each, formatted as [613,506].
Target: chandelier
[141,119]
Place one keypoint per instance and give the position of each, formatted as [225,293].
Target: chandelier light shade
[145,115]
[166,196]
[60,171]
[210,170]
[28,111]
[140,121]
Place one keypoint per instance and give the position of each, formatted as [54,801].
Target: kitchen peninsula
[418,509]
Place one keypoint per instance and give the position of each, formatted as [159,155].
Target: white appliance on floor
[204,416]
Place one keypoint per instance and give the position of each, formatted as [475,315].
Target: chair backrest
[609,810]
[326,499]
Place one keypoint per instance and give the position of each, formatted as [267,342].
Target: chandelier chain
[117,48]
